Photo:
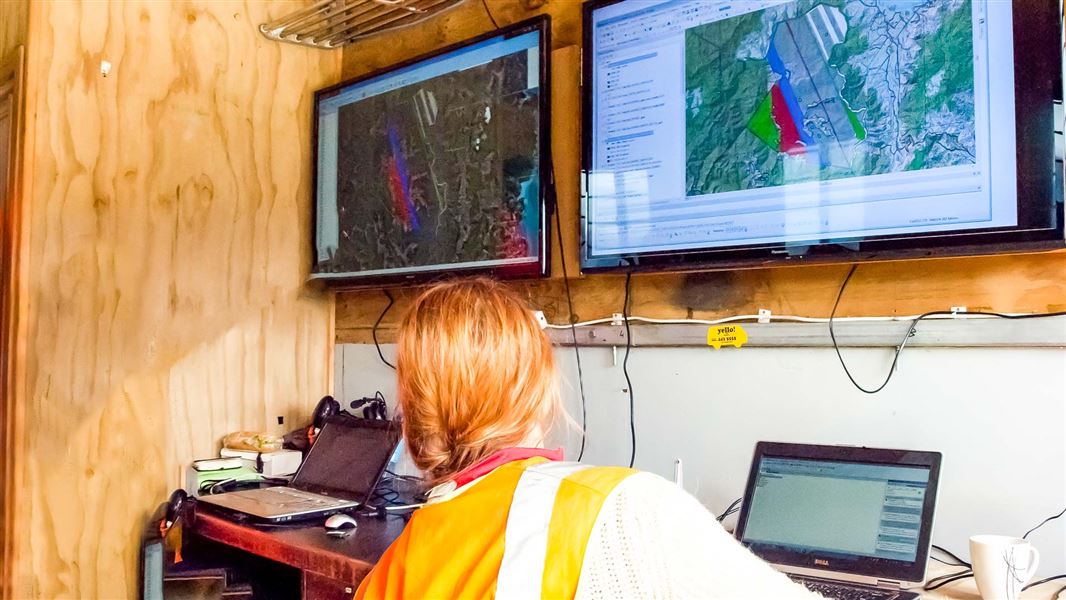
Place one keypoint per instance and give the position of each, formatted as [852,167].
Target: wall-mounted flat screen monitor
[434,166]
[723,133]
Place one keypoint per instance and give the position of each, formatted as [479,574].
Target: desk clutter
[325,480]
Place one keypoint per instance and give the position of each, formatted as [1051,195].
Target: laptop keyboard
[295,494]
[847,592]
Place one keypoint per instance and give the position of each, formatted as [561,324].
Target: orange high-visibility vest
[519,532]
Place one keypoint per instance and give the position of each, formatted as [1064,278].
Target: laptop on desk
[849,523]
[339,473]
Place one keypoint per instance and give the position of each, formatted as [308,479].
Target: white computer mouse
[341,523]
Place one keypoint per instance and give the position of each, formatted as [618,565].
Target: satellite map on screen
[828,89]
[441,171]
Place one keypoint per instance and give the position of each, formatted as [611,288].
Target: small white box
[275,464]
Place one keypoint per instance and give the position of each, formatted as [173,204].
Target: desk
[332,568]
[966,589]
[329,567]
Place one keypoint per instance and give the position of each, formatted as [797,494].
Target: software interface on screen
[838,508]
[433,166]
[730,123]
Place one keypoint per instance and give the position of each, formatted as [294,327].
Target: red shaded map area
[790,136]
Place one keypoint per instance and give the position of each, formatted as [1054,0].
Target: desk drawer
[318,587]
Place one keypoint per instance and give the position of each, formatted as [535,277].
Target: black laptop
[339,473]
[849,523]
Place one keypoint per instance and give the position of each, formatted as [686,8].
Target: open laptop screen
[869,513]
[348,458]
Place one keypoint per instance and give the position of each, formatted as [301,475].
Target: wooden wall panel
[1020,283]
[14,18]
[169,230]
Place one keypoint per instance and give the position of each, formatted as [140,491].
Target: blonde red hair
[476,374]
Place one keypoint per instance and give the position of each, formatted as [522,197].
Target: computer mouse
[340,524]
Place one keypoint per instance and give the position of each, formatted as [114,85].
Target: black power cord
[910,332]
[1045,580]
[489,13]
[958,561]
[732,508]
[1044,522]
[939,582]
[625,371]
[374,331]
[570,318]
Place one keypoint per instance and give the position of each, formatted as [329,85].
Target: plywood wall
[1026,283]
[13,21]
[168,233]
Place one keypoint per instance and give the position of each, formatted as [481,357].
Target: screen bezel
[393,433]
[864,566]
[1037,26]
[531,269]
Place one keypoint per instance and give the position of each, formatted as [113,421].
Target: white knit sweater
[653,540]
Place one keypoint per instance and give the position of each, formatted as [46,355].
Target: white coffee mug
[1002,565]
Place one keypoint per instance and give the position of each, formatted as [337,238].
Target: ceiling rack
[329,24]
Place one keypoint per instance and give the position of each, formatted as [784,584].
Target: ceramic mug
[1002,565]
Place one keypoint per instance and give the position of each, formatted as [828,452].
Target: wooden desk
[966,589]
[329,567]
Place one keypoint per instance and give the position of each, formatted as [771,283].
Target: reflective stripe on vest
[479,545]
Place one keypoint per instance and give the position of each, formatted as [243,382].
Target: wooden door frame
[12,77]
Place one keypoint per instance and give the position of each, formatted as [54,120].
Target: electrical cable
[625,371]
[1045,580]
[1058,592]
[374,331]
[732,508]
[958,561]
[489,13]
[939,582]
[573,328]
[910,333]
[1044,522]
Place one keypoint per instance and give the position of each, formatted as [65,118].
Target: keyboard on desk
[292,498]
[849,592]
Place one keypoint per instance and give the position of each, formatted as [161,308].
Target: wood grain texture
[12,298]
[1011,283]
[14,25]
[169,227]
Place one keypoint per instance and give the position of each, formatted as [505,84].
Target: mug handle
[1034,562]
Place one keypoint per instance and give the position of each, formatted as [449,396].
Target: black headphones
[328,408]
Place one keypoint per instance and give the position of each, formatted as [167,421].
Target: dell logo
[821,562]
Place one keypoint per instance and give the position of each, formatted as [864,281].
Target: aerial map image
[441,171]
[828,89]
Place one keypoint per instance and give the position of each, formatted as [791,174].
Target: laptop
[339,473]
[848,523]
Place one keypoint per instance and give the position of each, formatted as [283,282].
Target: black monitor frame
[864,566]
[1037,26]
[541,268]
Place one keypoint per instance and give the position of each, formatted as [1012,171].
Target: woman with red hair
[479,390]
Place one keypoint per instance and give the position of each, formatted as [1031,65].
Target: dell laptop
[339,473]
[849,523]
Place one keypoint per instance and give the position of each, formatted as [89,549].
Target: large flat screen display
[434,166]
[740,130]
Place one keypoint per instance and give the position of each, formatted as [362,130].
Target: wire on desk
[374,331]
[625,371]
[958,561]
[939,582]
[1043,581]
[1058,592]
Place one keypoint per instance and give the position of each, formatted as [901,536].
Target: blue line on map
[778,67]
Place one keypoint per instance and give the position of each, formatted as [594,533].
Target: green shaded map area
[828,89]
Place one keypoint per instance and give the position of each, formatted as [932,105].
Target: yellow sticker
[726,335]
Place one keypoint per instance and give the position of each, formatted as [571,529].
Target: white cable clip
[618,319]
[541,319]
[764,315]
[956,310]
